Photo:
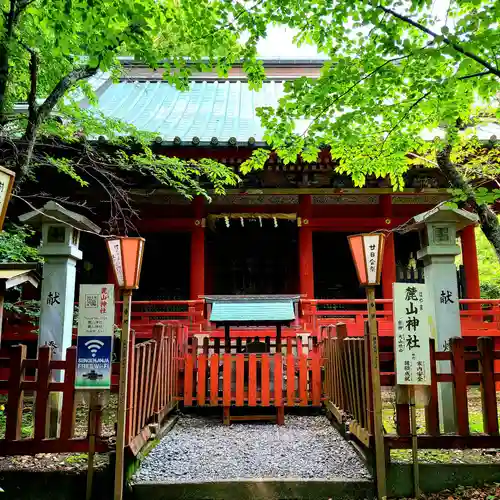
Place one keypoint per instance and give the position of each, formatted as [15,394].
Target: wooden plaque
[6,184]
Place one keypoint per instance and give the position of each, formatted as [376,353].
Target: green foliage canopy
[15,245]
[49,49]
[489,268]
[394,70]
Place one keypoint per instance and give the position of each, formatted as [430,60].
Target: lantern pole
[122,395]
[126,255]
[367,252]
[378,424]
[414,443]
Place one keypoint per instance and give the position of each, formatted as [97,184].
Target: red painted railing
[153,381]
[34,376]
[478,317]
[155,366]
[145,314]
[348,397]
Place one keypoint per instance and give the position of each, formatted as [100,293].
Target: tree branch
[62,87]
[355,84]
[475,75]
[45,109]
[22,5]
[446,40]
[488,219]
[408,111]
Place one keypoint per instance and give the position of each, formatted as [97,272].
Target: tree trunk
[37,116]
[24,168]
[487,218]
[4,56]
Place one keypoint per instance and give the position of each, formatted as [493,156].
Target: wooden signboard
[6,184]
[412,353]
[412,333]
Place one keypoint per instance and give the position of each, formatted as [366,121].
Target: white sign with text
[96,314]
[412,333]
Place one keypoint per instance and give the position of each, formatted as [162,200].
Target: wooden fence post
[15,395]
[488,394]
[68,406]
[403,414]
[157,383]
[460,385]
[368,357]
[432,409]
[314,317]
[42,392]
[130,387]
[341,375]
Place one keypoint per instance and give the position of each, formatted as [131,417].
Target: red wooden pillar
[389,262]
[388,269]
[306,267]
[197,272]
[469,258]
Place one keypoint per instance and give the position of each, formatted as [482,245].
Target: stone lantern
[59,247]
[438,230]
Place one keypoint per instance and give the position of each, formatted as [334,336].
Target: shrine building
[282,232]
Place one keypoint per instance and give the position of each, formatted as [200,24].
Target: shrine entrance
[334,272]
[252,257]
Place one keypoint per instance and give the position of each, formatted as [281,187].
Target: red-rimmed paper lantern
[126,256]
[367,252]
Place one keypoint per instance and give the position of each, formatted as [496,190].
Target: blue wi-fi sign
[93,367]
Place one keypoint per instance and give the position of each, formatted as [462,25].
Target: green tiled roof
[255,310]
[211,112]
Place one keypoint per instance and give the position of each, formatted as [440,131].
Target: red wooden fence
[348,376]
[41,385]
[478,317]
[269,379]
[240,342]
[153,387]
[461,379]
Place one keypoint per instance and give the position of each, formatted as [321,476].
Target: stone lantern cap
[52,212]
[441,214]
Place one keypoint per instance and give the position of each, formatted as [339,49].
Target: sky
[279,44]
[279,41]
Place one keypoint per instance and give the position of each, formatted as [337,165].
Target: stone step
[266,489]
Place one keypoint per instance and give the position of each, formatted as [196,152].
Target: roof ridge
[277,61]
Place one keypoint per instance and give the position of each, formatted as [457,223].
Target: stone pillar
[441,280]
[59,248]
[306,265]
[57,304]
[197,272]
[438,229]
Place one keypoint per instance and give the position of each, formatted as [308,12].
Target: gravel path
[199,450]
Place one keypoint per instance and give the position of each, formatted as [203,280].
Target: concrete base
[54,485]
[265,489]
[438,477]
